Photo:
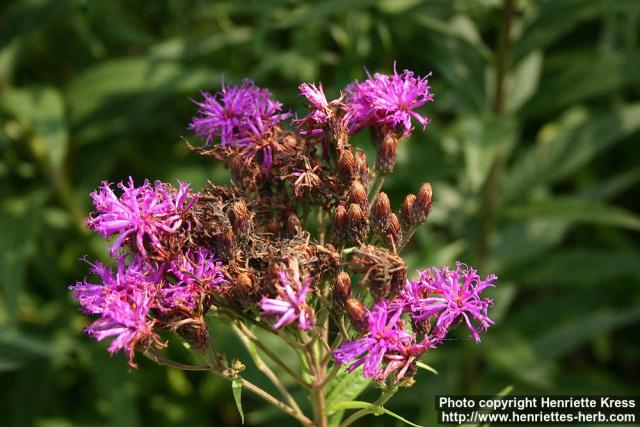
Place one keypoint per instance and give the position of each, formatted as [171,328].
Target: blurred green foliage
[538,184]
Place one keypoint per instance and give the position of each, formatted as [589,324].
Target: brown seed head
[294,226]
[239,216]
[362,168]
[356,214]
[380,212]
[394,230]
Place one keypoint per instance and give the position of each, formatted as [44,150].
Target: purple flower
[386,335]
[197,272]
[123,300]
[238,115]
[136,275]
[290,303]
[128,322]
[140,214]
[449,295]
[388,100]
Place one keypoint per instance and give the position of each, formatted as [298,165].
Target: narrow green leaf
[522,81]
[426,367]
[373,409]
[344,387]
[566,145]
[236,387]
[573,210]
[565,337]
[41,111]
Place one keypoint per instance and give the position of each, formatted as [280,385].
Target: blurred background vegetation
[532,153]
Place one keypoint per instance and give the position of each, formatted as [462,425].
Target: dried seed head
[406,210]
[347,165]
[294,226]
[386,155]
[290,143]
[422,205]
[380,212]
[357,314]
[342,288]
[358,195]
[239,216]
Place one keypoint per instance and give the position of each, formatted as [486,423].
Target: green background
[538,185]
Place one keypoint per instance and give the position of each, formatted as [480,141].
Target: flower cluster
[302,243]
[433,302]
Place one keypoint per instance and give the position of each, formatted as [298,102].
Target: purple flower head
[139,215]
[388,100]
[449,295]
[403,361]
[127,320]
[322,111]
[290,304]
[197,273]
[123,300]
[386,335]
[134,276]
[238,115]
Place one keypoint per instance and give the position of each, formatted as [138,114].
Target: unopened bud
[356,214]
[422,205]
[244,284]
[342,288]
[347,164]
[406,210]
[380,212]
[357,314]
[358,195]
[239,216]
[386,156]
[393,230]
[340,222]
[362,168]
[294,226]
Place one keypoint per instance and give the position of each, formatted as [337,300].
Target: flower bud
[362,168]
[394,230]
[347,165]
[340,222]
[357,314]
[422,205]
[358,195]
[406,210]
[380,212]
[342,288]
[239,216]
[244,284]
[355,213]
[294,226]
[386,155]
[359,224]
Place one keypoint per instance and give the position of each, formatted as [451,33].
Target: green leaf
[565,337]
[482,141]
[565,146]
[573,77]
[373,409]
[41,111]
[583,267]
[573,210]
[522,81]
[236,387]
[426,367]
[345,386]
